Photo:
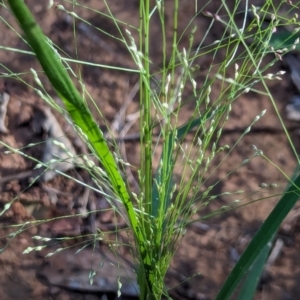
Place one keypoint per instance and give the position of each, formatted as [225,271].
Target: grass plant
[163,207]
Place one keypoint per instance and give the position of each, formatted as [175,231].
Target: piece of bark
[293,62]
[59,153]
[87,270]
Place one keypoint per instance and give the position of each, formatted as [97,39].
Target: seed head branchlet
[63,147]
[278,56]
[258,153]
[281,73]
[296,30]
[36,77]
[199,141]
[56,251]
[247,130]
[60,7]
[185,62]
[214,146]
[165,105]
[194,84]
[254,11]
[121,161]
[53,161]
[50,4]
[137,55]
[236,66]
[221,149]
[263,185]
[245,161]
[219,132]
[207,13]
[172,191]
[263,113]
[38,166]
[272,76]
[40,238]
[89,162]
[207,100]
[216,42]
[30,249]
[192,36]
[72,13]
[167,84]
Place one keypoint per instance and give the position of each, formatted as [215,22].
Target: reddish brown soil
[208,249]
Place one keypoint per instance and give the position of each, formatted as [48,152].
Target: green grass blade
[178,134]
[261,239]
[284,39]
[251,281]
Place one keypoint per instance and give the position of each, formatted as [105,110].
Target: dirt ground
[210,247]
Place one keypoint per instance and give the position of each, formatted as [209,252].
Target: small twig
[4,99]
[18,176]
[275,252]
[83,201]
[88,31]
[53,190]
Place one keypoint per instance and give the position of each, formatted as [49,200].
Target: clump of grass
[159,213]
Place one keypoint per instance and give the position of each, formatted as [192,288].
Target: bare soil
[209,248]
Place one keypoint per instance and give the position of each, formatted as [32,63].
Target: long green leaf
[77,109]
[178,134]
[174,136]
[261,239]
[284,39]
[253,276]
